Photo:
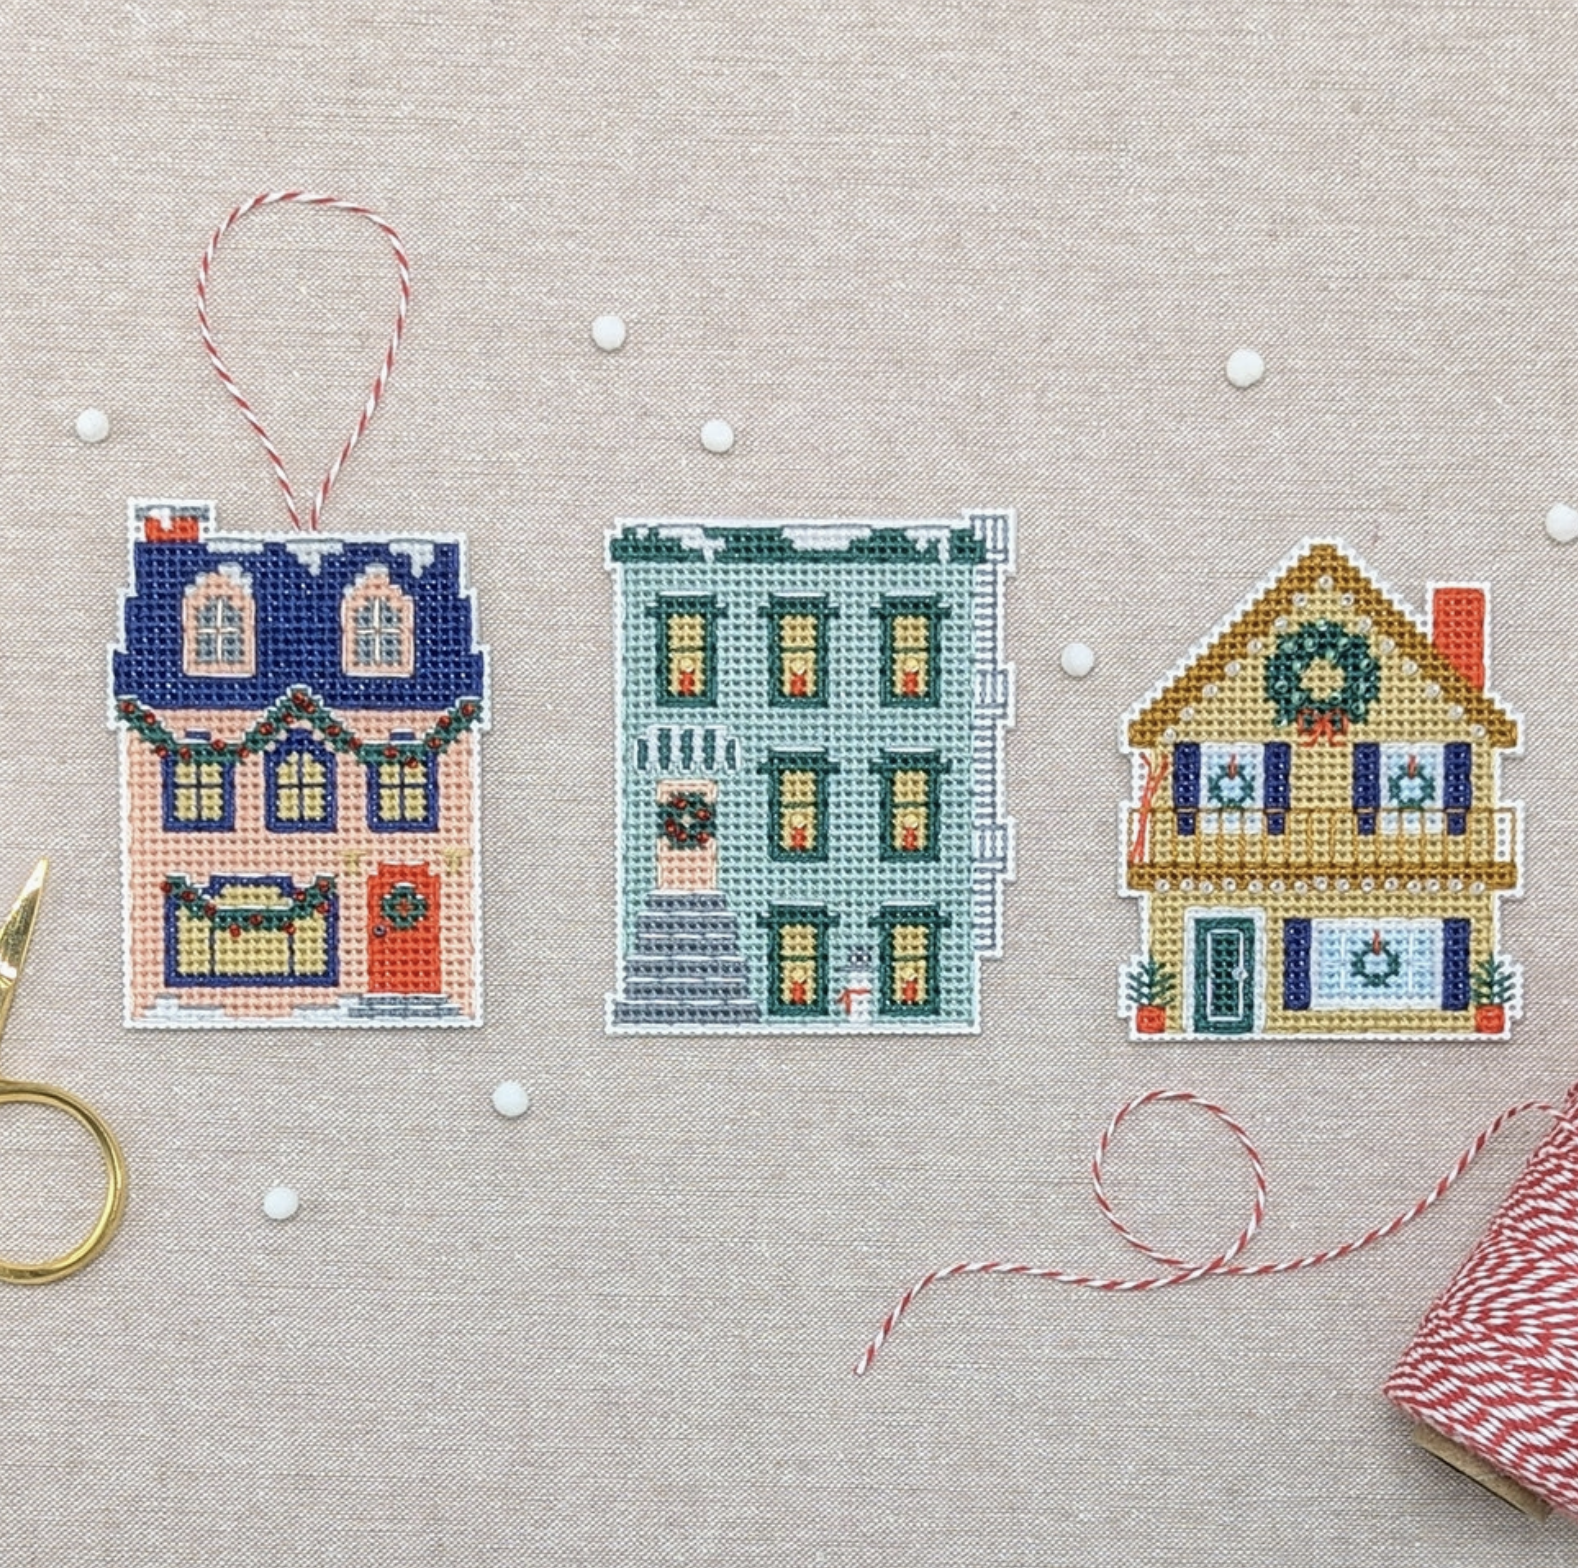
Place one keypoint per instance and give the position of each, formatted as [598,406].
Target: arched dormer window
[377,626]
[219,625]
[299,786]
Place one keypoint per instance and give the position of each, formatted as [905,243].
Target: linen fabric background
[924,257]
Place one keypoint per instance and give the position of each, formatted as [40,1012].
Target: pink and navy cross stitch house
[299,719]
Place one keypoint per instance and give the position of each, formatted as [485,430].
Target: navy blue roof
[297,584]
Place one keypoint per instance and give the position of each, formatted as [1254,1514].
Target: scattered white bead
[717,435]
[93,425]
[1561,523]
[1245,367]
[280,1203]
[608,333]
[511,1099]
[1077,659]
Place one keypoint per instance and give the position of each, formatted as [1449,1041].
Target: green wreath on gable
[403,907]
[1296,704]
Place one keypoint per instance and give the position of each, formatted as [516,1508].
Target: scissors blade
[15,935]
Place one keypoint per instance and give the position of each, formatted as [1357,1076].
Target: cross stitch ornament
[812,829]
[299,717]
[1317,837]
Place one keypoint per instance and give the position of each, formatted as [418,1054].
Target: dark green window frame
[775,922]
[821,767]
[710,612]
[887,768]
[775,612]
[890,612]
[888,923]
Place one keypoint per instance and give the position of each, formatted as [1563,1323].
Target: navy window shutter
[1186,784]
[1454,965]
[1457,791]
[1366,784]
[1295,966]
[1276,794]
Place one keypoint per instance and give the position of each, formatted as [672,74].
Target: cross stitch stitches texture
[299,718]
[1317,836]
[811,715]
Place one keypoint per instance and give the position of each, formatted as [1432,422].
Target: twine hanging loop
[375,395]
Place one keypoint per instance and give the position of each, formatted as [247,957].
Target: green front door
[1224,975]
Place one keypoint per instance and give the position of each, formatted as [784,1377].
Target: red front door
[403,957]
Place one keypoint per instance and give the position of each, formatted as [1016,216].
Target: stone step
[719,927]
[694,1014]
[397,1006]
[688,944]
[704,990]
[658,966]
[701,902]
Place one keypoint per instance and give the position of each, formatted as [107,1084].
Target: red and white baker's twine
[1184,1273]
[380,381]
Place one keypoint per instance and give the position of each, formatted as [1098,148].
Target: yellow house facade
[1316,834]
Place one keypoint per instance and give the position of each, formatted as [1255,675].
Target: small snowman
[855,999]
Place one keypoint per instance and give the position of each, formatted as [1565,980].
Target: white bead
[280,1203]
[1077,659]
[608,333]
[717,435]
[93,425]
[1561,523]
[1245,367]
[511,1099]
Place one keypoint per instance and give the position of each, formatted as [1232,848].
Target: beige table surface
[925,256]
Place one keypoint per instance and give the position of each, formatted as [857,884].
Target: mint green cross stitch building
[812,832]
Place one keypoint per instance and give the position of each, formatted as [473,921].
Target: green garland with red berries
[240,918]
[299,706]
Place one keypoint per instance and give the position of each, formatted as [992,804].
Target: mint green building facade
[811,823]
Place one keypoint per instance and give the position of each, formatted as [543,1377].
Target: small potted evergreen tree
[1150,988]
[1491,985]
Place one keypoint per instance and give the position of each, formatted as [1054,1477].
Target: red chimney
[1457,628]
[171,530]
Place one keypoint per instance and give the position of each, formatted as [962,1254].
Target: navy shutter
[1186,784]
[1278,764]
[1366,784]
[1454,965]
[1457,791]
[1295,966]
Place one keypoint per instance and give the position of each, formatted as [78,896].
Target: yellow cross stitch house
[1317,837]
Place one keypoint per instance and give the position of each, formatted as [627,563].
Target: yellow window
[687,655]
[911,965]
[797,640]
[204,948]
[299,789]
[199,791]
[797,973]
[402,793]
[911,655]
[797,818]
[911,810]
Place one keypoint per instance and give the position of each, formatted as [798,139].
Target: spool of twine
[1493,1367]
[1491,1376]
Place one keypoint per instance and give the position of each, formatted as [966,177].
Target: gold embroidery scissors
[15,935]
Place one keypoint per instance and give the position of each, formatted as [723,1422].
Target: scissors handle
[13,1092]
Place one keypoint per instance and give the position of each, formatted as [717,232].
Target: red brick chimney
[1457,628]
[178,529]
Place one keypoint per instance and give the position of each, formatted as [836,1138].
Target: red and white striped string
[386,365]
[1181,1272]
